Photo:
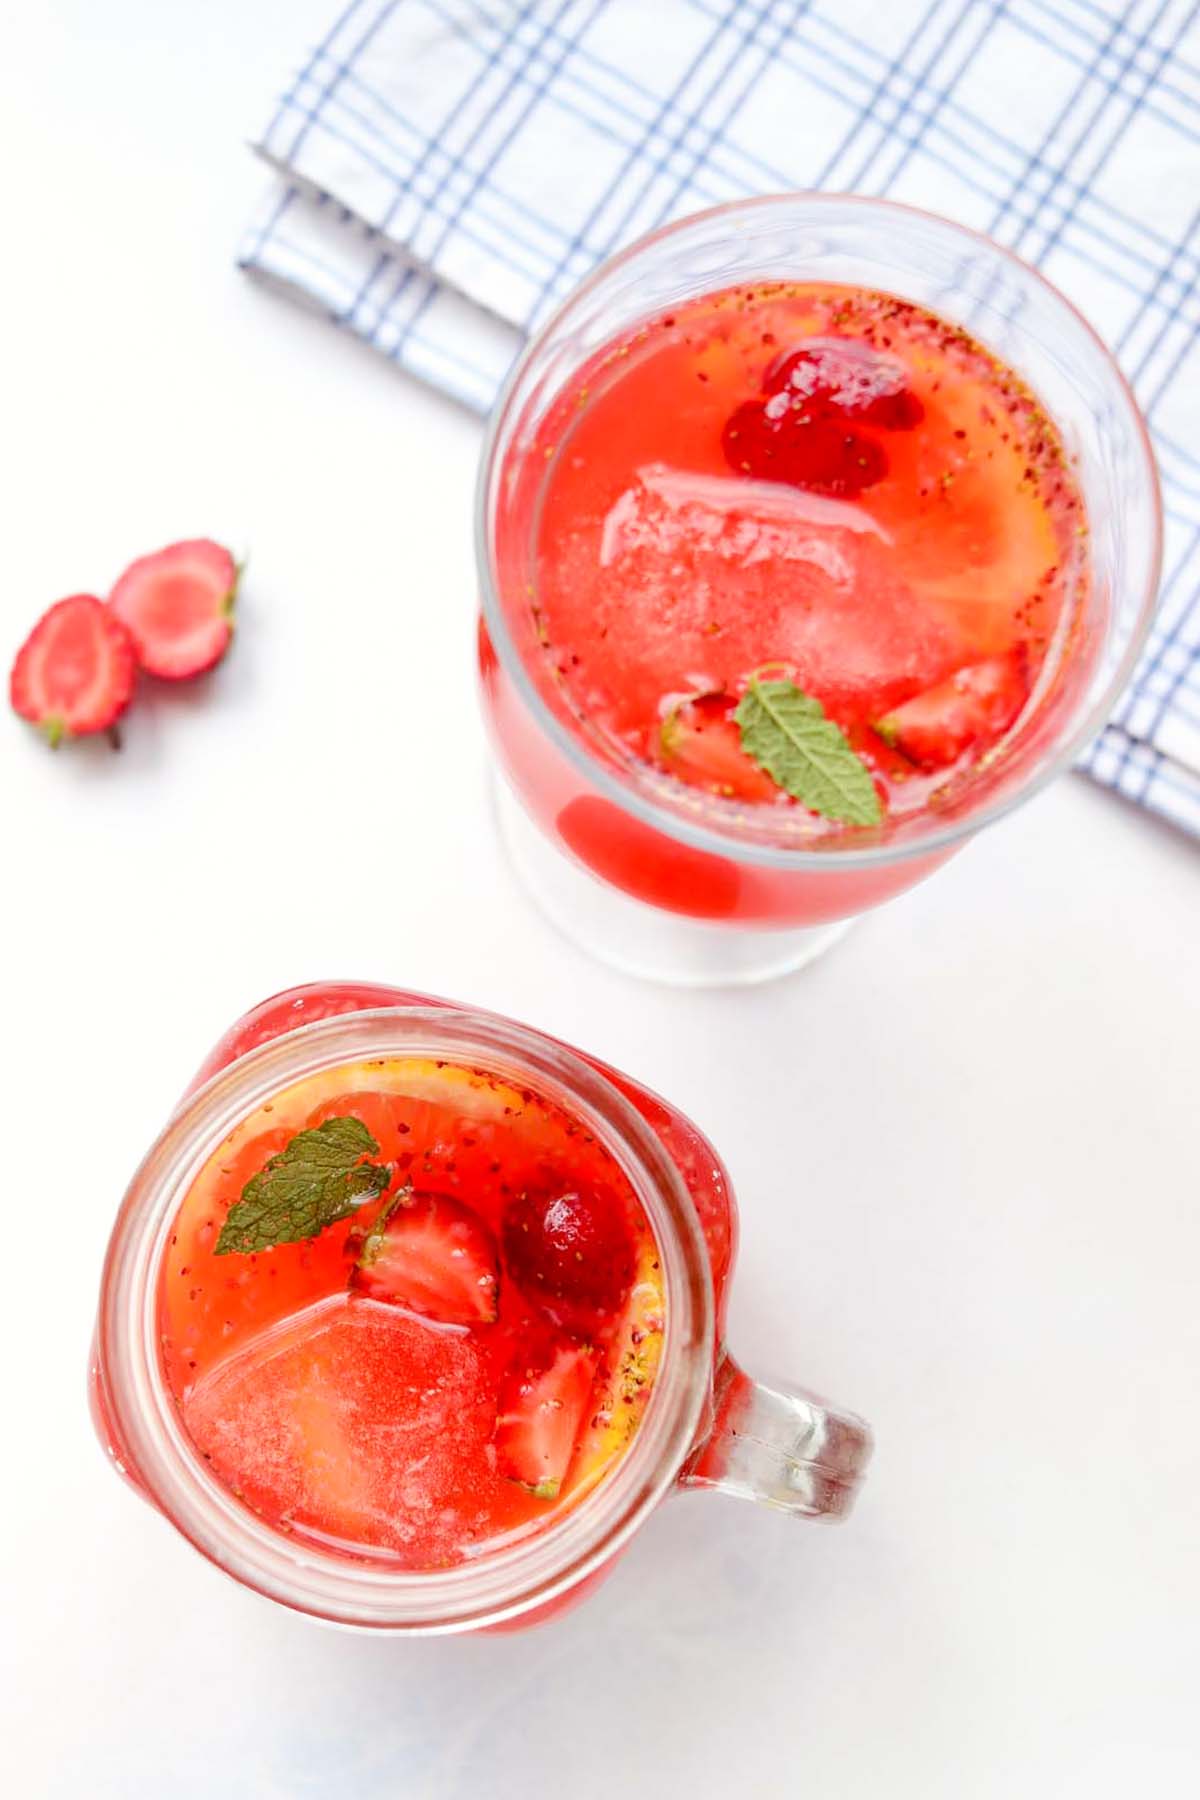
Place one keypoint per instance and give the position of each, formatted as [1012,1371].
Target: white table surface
[965,1144]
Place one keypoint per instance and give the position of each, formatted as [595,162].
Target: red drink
[453,1364]
[486,1338]
[819,487]
[825,481]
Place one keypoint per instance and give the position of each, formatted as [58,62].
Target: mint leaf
[313,1182]
[787,733]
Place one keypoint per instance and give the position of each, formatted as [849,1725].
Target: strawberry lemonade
[410,1309]
[807,549]
[787,584]
[411,1316]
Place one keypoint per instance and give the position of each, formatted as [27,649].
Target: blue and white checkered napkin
[448,169]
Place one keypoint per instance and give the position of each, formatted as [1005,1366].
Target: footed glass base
[643,940]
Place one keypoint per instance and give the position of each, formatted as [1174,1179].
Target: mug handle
[779,1446]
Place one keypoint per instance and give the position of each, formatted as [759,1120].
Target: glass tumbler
[647,879]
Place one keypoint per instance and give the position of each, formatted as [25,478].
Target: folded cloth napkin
[448,169]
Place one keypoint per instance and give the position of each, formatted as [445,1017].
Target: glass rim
[499,1585]
[831,858]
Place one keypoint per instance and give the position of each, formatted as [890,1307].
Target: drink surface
[816,484]
[450,1366]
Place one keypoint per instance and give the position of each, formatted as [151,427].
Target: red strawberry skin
[571,1251]
[786,439]
[75,672]
[839,375]
[434,1256]
[177,605]
[974,704]
[805,430]
[542,1406]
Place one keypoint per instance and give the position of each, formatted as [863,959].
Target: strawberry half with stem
[542,1406]
[74,673]
[431,1254]
[178,607]
[934,729]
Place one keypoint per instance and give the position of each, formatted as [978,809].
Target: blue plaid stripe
[375,140]
[450,168]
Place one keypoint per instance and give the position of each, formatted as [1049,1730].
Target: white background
[965,1144]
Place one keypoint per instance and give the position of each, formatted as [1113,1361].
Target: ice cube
[356,1422]
[720,574]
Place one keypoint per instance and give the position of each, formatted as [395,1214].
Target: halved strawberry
[542,1407]
[700,743]
[74,673]
[571,1250]
[178,606]
[429,1253]
[981,701]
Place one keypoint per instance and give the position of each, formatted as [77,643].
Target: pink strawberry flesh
[432,1255]
[975,704]
[571,1251]
[700,742]
[74,673]
[178,607]
[542,1407]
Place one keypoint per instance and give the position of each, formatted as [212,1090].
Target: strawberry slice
[976,703]
[541,1410]
[570,1250]
[178,607]
[74,673]
[700,743]
[429,1253]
